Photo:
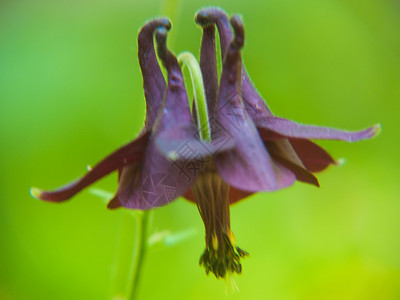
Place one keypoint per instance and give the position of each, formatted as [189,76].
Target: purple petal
[153,79]
[176,110]
[248,166]
[208,65]
[214,15]
[253,102]
[183,143]
[158,181]
[275,128]
[175,129]
[127,154]
[314,158]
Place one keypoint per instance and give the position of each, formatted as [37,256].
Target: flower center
[221,255]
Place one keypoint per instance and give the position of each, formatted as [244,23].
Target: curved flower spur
[287,142]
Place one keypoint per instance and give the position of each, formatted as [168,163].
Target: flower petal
[153,80]
[253,102]
[175,108]
[283,152]
[300,173]
[175,128]
[158,180]
[276,128]
[248,166]
[208,65]
[314,158]
[127,154]
[114,202]
[184,144]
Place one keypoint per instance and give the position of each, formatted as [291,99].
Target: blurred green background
[71,92]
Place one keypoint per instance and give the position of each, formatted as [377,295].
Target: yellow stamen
[215,242]
[232,238]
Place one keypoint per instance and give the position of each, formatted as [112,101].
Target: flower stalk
[142,233]
[131,251]
[123,259]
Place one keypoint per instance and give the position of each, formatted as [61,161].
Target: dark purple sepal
[314,157]
[277,128]
[114,203]
[128,154]
[282,152]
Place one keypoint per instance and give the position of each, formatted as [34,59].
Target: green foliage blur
[71,92]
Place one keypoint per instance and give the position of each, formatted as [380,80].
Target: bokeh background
[71,92]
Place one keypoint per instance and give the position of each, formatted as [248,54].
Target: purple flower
[250,149]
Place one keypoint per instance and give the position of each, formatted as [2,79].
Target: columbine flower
[287,142]
[246,168]
[250,150]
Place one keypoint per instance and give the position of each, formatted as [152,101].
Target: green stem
[142,229]
[187,59]
[130,254]
[123,255]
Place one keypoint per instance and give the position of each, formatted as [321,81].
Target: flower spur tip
[166,23]
[160,21]
[161,33]
[161,39]
[205,16]
[36,192]
[236,22]
[201,18]
[237,25]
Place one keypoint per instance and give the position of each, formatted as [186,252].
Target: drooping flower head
[250,149]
